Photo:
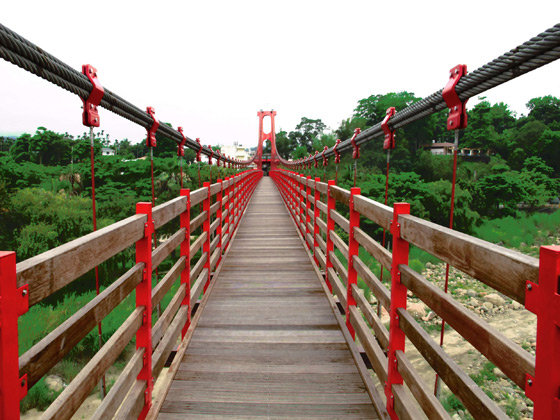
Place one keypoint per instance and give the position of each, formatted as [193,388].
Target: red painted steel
[307,209]
[457,118]
[302,206]
[271,136]
[219,213]
[355,146]
[389,142]
[228,211]
[144,299]
[185,223]
[331,205]
[543,299]
[151,138]
[90,115]
[14,302]
[198,152]
[180,146]
[353,249]
[398,300]
[316,215]
[206,228]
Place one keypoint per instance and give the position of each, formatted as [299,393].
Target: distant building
[439,148]
[237,151]
[107,151]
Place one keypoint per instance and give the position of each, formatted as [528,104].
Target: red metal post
[353,249]
[228,212]
[543,299]
[185,223]
[219,213]
[206,228]
[330,228]
[398,300]
[301,205]
[144,299]
[316,215]
[14,302]
[307,209]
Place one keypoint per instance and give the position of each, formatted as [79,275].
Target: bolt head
[22,383]
[24,292]
[529,287]
[456,71]
[95,119]
[90,71]
[530,382]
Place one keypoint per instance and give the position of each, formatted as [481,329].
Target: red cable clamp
[356,151]
[198,158]
[180,150]
[90,116]
[336,152]
[325,159]
[151,139]
[309,161]
[389,142]
[315,159]
[219,157]
[457,118]
[210,155]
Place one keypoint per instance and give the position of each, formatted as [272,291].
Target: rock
[473,302]
[488,306]
[429,317]
[472,293]
[372,299]
[498,373]
[495,299]
[417,310]
[516,306]
[54,383]
[456,416]
[409,293]
[461,292]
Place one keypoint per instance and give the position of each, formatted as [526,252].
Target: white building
[107,151]
[237,151]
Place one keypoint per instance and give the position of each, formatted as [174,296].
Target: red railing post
[206,228]
[219,214]
[353,249]
[543,299]
[301,205]
[398,300]
[228,212]
[185,223]
[14,302]
[144,299]
[307,209]
[330,228]
[316,198]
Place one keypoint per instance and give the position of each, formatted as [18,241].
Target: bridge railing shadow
[313,206]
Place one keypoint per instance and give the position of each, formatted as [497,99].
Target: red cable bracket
[457,118]
[90,116]
[355,146]
[151,139]
[210,155]
[218,158]
[309,161]
[198,158]
[336,152]
[389,142]
[325,159]
[315,164]
[180,150]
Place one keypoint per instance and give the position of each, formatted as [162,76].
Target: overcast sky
[209,66]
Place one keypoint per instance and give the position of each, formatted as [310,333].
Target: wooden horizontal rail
[340,244]
[503,269]
[40,358]
[165,248]
[160,327]
[511,358]
[195,271]
[198,196]
[338,288]
[68,402]
[214,207]
[322,187]
[322,225]
[322,244]
[379,329]
[374,211]
[169,339]
[340,268]
[197,244]
[341,221]
[373,248]
[198,285]
[472,397]
[161,289]
[420,390]
[321,257]
[404,406]
[341,195]
[50,271]
[322,207]
[215,188]
[378,289]
[215,257]
[169,210]
[133,403]
[198,221]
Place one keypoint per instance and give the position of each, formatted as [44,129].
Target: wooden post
[398,300]
[543,299]
[330,228]
[353,249]
[185,223]
[144,299]
[316,215]
[206,228]
[14,302]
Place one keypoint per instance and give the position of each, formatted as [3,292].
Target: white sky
[211,65]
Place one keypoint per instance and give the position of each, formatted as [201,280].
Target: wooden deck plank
[267,344]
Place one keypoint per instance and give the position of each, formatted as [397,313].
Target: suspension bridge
[268,320]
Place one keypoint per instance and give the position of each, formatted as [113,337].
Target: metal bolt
[90,71]
[24,292]
[456,71]
[22,383]
[90,106]
[529,287]
[530,382]
[95,119]
[455,108]
[450,122]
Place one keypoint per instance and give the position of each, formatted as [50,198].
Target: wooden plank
[40,358]
[339,267]
[161,289]
[503,269]
[420,389]
[198,221]
[404,406]
[374,284]
[214,207]
[120,388]
[133,403]
[215,188]
[338,288]
[374,211]
[50,271]
[322,207]
[164,249]
[374,248]
[322,244]
[473,398]
[169,210]
[172,333]
[340,244]
[341,221]
[198,196]
[322,225]
[215,256]
[196,288]
[321,258]
[381,332]
[511,358]
[340,195]
[162,324]
[214,226]
[322,187]
[197,244]
[78,390]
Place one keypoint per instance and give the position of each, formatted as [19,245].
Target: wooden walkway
[267,344]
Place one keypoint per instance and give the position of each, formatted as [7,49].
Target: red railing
[31,281]
[532,282]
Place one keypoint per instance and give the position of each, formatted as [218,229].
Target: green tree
[545,109]
[306,131]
